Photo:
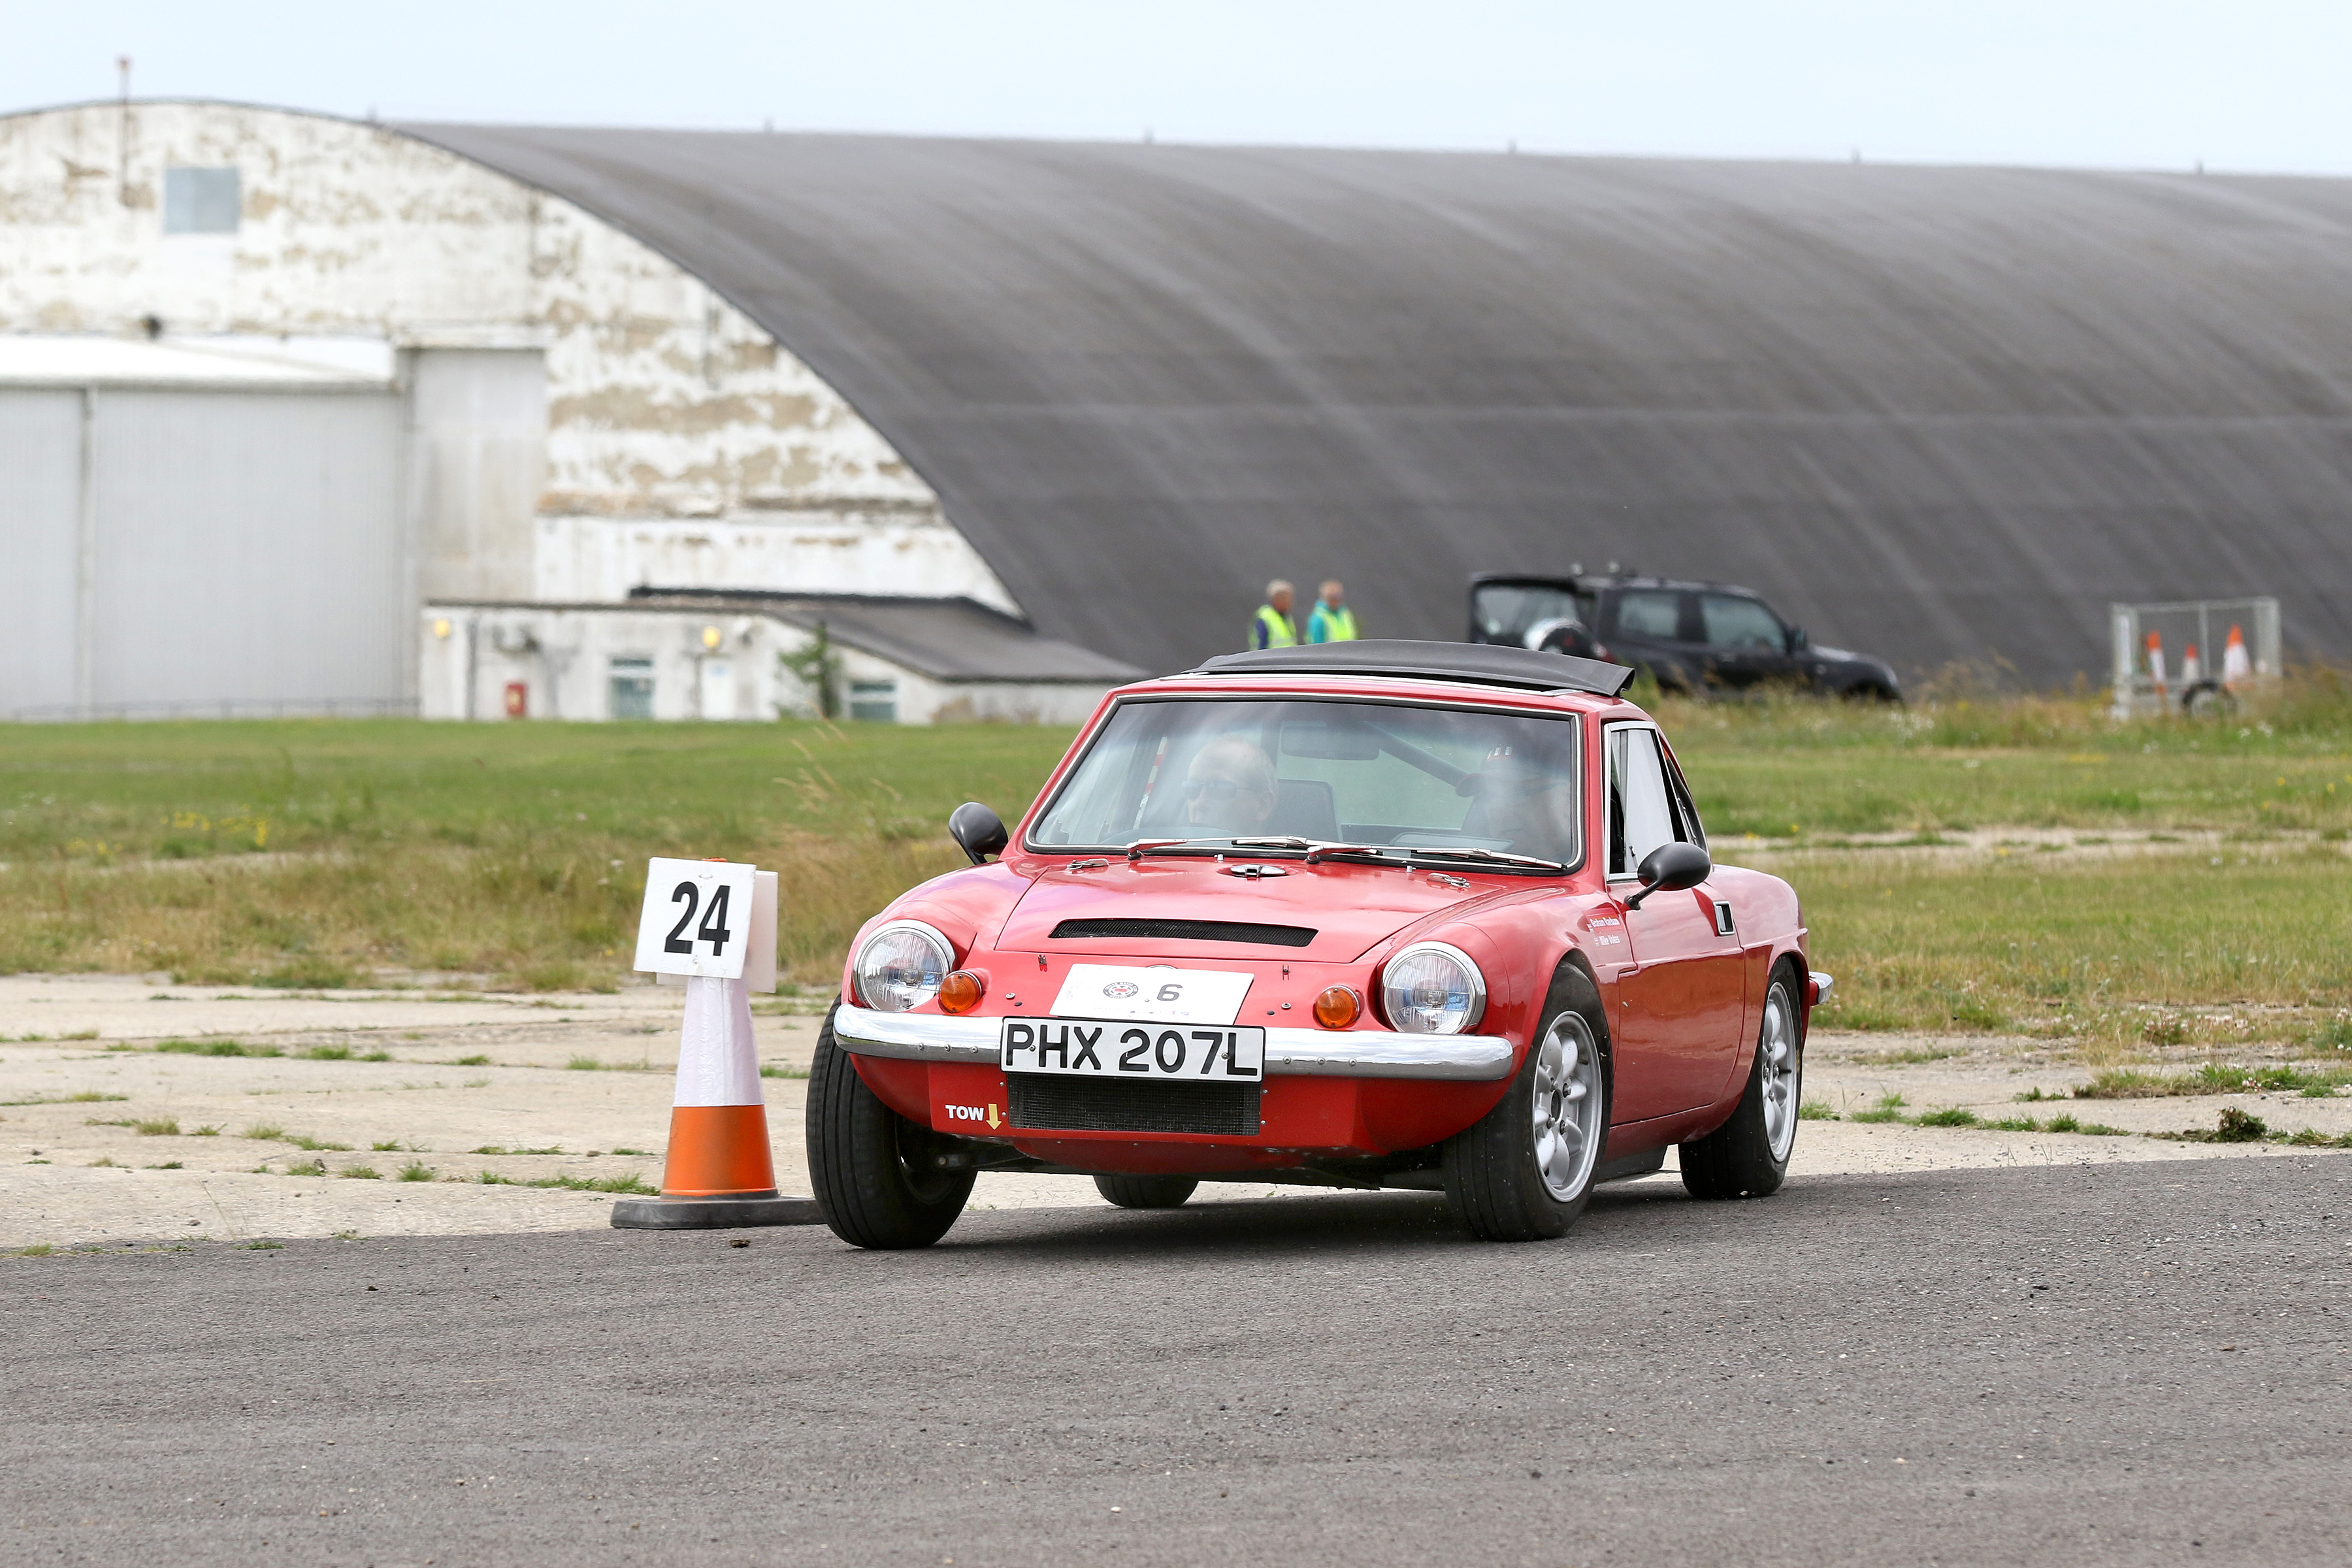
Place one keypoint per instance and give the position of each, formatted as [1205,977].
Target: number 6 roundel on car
[696,919]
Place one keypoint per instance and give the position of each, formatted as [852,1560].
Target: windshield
[1427,779]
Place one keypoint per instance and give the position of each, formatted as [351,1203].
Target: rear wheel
[1145,1191]
[881,1181]
[1525,1171]
[1747,1157]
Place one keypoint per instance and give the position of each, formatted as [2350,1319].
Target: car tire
[1747,1157]
[1525,1171]
[877,1179]
[1145,1191]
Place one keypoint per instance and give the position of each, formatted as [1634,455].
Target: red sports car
[1367,914]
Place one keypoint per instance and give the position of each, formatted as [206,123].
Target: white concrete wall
[564,658]
[663,402]
[826,552]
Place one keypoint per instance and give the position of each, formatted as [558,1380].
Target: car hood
[1350,908]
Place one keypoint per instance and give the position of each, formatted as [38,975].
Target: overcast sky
[2247,85]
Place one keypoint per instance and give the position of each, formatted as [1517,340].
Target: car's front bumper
[1305,1053]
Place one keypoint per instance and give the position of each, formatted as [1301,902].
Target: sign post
[713,924]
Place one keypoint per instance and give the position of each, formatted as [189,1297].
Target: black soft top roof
[1481,664]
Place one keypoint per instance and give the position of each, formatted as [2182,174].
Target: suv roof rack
[1482,664]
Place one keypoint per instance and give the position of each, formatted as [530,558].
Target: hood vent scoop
[1188,930]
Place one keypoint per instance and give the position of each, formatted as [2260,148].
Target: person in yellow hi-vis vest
[1331,620]
[1271,627]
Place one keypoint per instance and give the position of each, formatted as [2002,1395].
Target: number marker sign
[697,918]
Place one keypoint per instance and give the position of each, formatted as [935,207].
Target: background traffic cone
[2156,662]
[2191,671]
[720,1170]
[2236,668]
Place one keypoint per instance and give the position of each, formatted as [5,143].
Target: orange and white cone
[2156,662]
[718,1117]
[2191,671]
[2236,668]
[720,1170]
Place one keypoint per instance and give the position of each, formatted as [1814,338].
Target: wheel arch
[1575,960]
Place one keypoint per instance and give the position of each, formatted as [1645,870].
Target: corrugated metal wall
[245,553]
[41,494]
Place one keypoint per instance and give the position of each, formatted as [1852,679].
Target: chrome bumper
[1298,1053]
[1818,988]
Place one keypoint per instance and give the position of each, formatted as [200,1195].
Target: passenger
[1528,799]
[1229,788]
[1271,627]
[1331,620]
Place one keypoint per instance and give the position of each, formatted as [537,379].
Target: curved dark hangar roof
[1932,412]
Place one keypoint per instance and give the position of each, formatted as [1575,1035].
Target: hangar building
[1091,397]
[300,414]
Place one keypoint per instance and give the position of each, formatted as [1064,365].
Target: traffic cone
[2156,662]
[2190,671]
[720,1170]
[2236,668]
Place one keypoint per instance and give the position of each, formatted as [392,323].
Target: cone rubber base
[712,1214]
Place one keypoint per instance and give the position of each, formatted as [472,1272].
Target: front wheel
[1747,1157]
[881,1181]
[1525,1171]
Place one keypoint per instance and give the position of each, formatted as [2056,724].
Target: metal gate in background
[2192,654]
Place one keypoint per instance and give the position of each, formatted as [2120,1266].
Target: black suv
[1695,638]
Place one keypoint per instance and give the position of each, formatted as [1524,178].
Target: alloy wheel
[1568,1130]
[1776,1048]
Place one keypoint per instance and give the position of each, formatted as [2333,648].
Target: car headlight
[901,966]
[1431,988]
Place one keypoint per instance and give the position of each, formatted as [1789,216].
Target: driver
[1229,788]
[1528,799]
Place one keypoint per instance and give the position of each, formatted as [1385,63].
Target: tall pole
[122,134]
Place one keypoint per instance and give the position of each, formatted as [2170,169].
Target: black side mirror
[1798,641]
[1669,869]
[979,831]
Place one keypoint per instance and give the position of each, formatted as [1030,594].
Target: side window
[1650,613]
[1735,621]
[1642,808]
[1692,831]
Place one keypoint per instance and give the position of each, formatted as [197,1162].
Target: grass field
[317,854]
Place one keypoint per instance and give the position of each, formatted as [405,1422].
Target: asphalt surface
[2140,1364]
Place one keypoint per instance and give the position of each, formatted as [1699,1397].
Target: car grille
[1072,1103]
[1192,931]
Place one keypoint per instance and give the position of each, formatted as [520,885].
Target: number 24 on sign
[696,919]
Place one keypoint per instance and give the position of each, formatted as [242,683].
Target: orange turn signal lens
[962,991]
[1338,1006]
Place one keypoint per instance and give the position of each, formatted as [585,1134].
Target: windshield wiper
[1142,847]
[1317,850]
[1465,851]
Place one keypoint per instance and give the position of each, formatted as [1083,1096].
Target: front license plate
[1119,1048]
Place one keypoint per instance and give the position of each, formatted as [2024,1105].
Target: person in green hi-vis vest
[1271,627]
[1331,620]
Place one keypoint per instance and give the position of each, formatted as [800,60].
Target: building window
[876,701]
[200,201]
[632,688]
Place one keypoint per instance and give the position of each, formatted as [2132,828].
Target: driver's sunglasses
[1218,790]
